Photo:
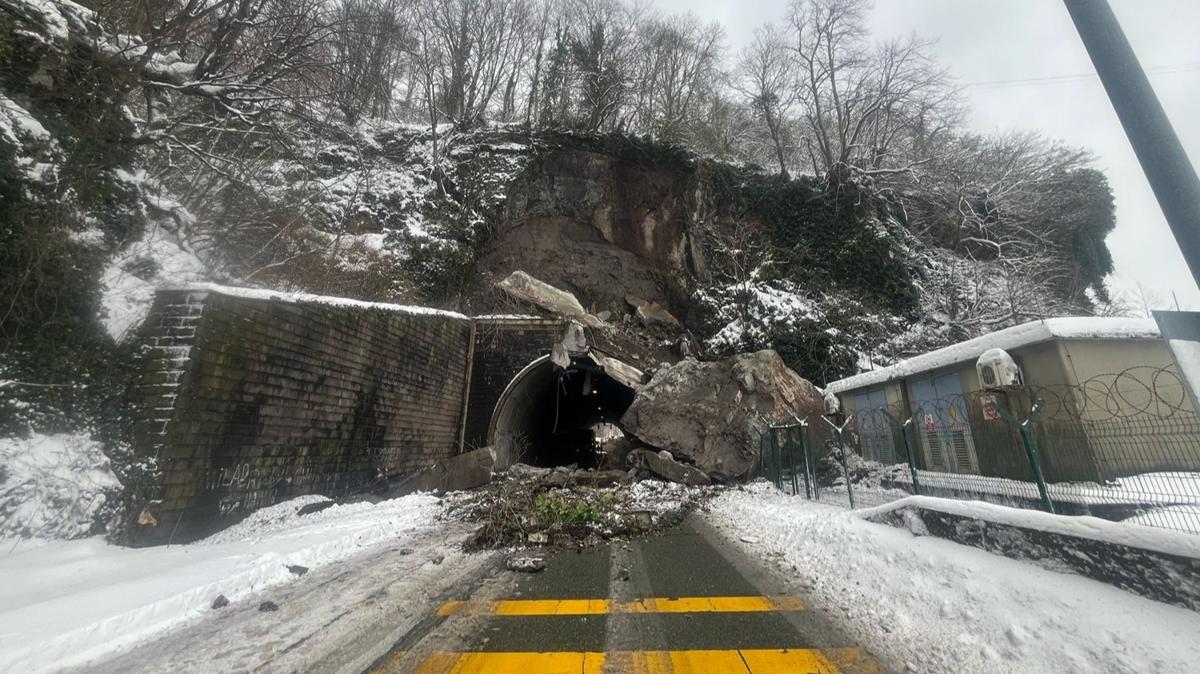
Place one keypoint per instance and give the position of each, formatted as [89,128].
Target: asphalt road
[679,601]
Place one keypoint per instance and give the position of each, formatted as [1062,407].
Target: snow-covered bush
[53,486]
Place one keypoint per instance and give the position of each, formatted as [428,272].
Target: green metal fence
[1128,451]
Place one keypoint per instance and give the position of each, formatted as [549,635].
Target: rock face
[711,415]
[600,226]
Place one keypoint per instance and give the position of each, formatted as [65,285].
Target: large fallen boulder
[525,288]
[711,415]
[652,314]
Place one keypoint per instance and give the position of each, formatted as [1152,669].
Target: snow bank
[1118,533]
[1010,338]
[929,605]
[68,602]
[51,486]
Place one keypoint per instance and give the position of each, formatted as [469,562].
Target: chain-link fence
[1123,447]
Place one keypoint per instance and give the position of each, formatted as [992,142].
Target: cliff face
[603,227]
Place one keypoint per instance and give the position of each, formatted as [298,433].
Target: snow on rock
[68,602]
[928,605]
[751,309]
[1033,332]
[37,154]
[51,486]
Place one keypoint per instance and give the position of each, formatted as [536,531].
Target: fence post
[908,450]
[777,474]
[1035,461]
[841,443]
[809,471]
[791,458]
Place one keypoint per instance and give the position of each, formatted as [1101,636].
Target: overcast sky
[989,43]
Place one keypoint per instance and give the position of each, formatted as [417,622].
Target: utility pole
[1163,160]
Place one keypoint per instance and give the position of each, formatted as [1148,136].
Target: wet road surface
[679,601]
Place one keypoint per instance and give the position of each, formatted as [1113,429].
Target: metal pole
[908,450]
[778,472]
[810,471]
[804,452]
[1035,461]
[791,456]
[845,468]
[837,431]
[1163,159]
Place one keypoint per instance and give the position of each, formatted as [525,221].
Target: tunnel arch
[549,416]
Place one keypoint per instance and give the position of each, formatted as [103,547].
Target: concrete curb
[1161,576]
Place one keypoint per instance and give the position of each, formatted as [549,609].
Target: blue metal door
[943,425]
[874,428]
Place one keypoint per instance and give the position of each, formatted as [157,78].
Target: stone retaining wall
[247,399]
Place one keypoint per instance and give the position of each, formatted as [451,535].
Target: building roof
[1017,336]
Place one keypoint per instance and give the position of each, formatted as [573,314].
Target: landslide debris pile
[565,507]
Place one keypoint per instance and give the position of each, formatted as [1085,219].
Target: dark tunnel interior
[556,417]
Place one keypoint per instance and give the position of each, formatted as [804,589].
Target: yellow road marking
[565,607]
[513,663]
[745,661]
[389,664]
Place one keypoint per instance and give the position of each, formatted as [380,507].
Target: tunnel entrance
[549,416]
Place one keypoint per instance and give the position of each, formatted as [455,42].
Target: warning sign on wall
[990,404]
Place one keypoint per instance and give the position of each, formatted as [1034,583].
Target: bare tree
[678,68]
[481,45]
[600,42]
[856,96]
[766,79]
[367,41]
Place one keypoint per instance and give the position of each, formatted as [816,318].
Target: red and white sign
[990,404]
[929,425]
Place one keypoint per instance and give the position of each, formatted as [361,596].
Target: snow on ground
[67,602]
[51,487]
[928,605]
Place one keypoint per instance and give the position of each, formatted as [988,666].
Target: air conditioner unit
[997,369]
[832,404]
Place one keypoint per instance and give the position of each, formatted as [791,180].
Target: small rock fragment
[268,606]
[313,508]
[748,539]
[438,559]
[296,569]
[525,564]
[539,538]
[220,602]
[406,551]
